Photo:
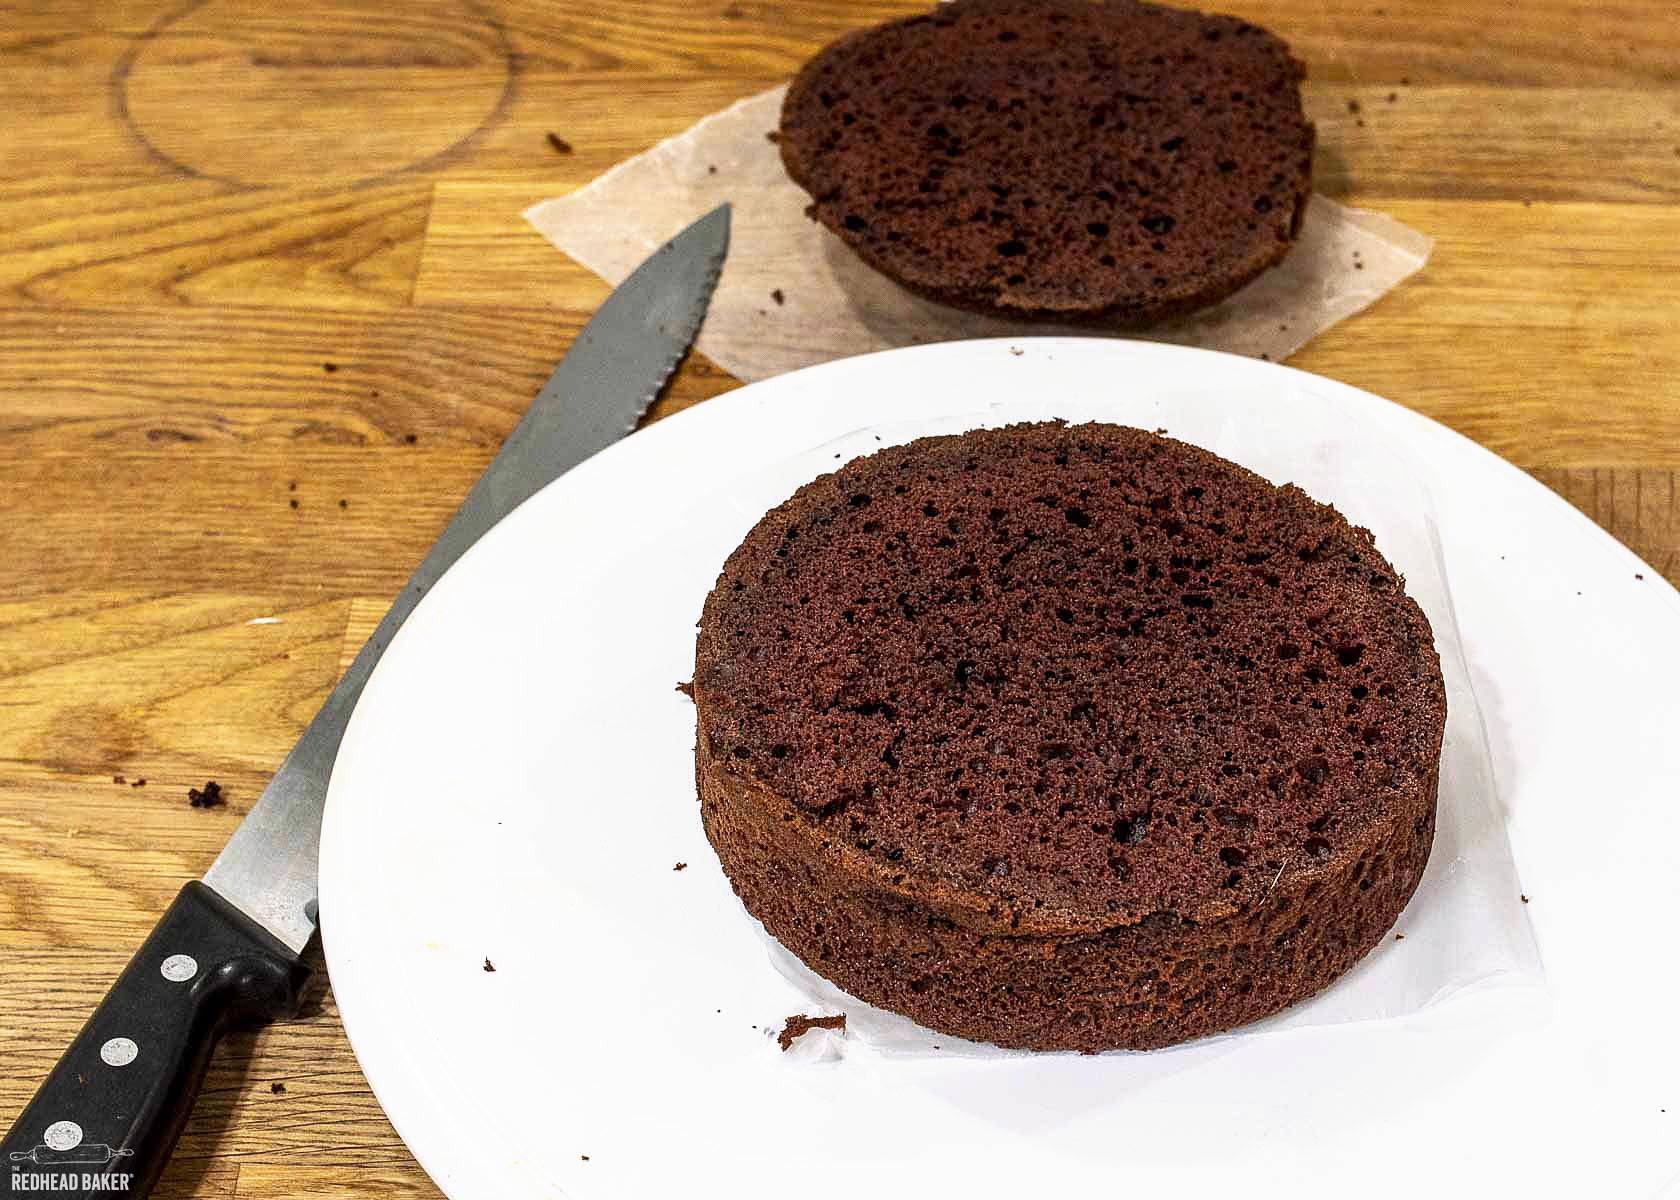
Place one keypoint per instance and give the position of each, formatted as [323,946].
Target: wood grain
[267,307]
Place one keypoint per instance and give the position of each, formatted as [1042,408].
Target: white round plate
[517,786]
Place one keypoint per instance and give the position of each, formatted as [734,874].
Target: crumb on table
[778,296]
[560,144]
[799,1025]
[489,966]
[680,867]
[277,1088]
[210,797]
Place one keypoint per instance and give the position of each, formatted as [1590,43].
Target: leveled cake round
[1067,737]
[1068,159]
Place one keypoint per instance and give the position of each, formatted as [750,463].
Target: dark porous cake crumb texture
[798,1025]
[1067,737]
[209,797]
[1057,158]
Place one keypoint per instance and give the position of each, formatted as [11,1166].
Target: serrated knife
[229,950]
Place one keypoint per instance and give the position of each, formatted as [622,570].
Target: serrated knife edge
[603,386]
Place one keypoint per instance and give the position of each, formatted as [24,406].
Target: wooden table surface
[267,307]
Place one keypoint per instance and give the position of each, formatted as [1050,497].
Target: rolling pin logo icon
[62,1144]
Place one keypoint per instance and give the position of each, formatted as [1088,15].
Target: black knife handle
[117,1100]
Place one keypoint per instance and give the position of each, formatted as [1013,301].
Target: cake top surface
[1066,678]
[1056,157]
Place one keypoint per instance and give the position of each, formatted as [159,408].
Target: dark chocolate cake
[1067,737]
[1073,159]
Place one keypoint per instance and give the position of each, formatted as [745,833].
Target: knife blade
[595,396]
[228,950]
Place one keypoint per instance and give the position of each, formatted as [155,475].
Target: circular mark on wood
[247,92]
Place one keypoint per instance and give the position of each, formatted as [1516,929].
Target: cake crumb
[210,797]
[712,170]
[1525,899]
[291,486]
[294,502]
[329,367]
[680,867]
[584,1157]
[779,297]
[276,1088]
[118,779]
[140,782]
[799,1025]
[773,137]
[560,144]
[1638,576]
[1399,937]
[412,438]
[687,688]
[1353,106]
[1393,96]
[489,966]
